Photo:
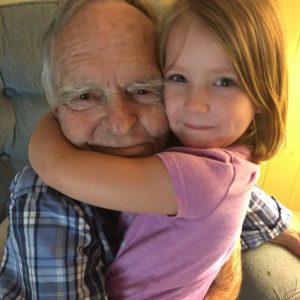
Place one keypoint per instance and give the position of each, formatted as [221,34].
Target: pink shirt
[177,257]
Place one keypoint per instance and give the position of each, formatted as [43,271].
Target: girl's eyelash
[222,81]
[176,78]
[229,82]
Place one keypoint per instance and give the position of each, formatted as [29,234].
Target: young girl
[225,98]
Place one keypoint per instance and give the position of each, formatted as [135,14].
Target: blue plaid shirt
[58,248]
[266,218]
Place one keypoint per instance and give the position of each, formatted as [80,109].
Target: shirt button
[4,157]
[9,92]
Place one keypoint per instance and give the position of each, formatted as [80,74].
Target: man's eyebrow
[154,85]
[68,92]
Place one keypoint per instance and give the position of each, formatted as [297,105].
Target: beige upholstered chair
[268,270]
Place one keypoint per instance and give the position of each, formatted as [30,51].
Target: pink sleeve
[203,182]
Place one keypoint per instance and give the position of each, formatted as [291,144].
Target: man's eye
[177,78]
[85,96]
[146,97]
[224,82]
[142,92]
[84,101]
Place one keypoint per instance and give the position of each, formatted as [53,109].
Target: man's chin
[140,150]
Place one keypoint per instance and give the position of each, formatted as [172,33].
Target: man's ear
[7,123]
[55,112]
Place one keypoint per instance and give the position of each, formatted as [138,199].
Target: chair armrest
[3,230]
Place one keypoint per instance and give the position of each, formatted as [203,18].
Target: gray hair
[153,9]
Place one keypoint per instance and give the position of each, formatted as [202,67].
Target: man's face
[105,64]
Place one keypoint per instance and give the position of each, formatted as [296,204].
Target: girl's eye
[177,78]
[224,82]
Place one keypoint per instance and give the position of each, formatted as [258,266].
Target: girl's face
[205,103]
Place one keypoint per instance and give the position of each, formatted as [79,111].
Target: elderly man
[59,248]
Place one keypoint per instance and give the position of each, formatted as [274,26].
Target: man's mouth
[138,150]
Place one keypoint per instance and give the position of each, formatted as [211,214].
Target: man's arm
[226,285]
[53,247]
[290,238]
[268,220]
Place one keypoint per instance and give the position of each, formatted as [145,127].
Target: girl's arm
[125,184]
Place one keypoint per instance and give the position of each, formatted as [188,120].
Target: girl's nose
[197,102]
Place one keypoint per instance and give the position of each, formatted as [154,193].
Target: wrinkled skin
[96,52]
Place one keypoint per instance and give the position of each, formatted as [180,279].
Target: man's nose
[119,116]
[197,101]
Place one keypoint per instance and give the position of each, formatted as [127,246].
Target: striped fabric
[266,218]
[56,248]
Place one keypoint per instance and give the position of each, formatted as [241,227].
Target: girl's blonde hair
[251,33]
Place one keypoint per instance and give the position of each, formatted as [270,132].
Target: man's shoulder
[28,181]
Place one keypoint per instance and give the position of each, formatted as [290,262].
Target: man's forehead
[106,52]
[117,15]
[114,27]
